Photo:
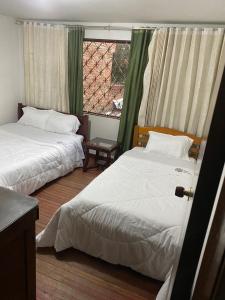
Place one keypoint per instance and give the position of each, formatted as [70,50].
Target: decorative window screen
[105,65]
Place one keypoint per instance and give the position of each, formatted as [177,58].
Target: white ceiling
[131,11]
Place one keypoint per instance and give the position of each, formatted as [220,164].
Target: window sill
[101,115]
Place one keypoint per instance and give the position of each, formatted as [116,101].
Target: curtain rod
[126,28]
[69,25]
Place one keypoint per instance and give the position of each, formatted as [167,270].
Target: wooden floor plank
[73,275]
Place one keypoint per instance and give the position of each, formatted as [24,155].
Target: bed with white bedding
[30,157]
[128,215]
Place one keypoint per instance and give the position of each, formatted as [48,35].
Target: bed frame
[141,136]
[83,129]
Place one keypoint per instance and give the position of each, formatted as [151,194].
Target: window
[105,65]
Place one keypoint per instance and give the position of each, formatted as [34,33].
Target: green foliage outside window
[120,63]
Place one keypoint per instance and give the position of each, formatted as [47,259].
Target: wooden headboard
[141,137]
[83,129]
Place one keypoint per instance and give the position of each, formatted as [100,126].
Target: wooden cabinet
[17,246]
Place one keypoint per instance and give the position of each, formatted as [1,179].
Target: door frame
[206,189]
[212,264]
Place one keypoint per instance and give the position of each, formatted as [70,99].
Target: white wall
[104,127]
[10,66]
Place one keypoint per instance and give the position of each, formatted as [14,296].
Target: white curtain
[182,78]
[46,65]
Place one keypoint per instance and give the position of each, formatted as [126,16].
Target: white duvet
[128,215]
[31,157]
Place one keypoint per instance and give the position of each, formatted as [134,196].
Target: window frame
[106,41]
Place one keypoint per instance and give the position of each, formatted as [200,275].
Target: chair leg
[85,167]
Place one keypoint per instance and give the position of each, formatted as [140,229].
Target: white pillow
[34,117]
[62,123]
[172,145]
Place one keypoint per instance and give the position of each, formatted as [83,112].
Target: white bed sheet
[31,157]
[128,215]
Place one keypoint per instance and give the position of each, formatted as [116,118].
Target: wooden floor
[73,274]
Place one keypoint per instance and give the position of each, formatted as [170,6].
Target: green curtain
[138,59]
[75,69]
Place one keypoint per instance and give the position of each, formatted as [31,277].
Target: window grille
[105,65]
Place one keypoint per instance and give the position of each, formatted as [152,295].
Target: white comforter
[128,215]
[31,157]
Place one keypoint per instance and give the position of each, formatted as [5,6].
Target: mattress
[128,215]
[31,157]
